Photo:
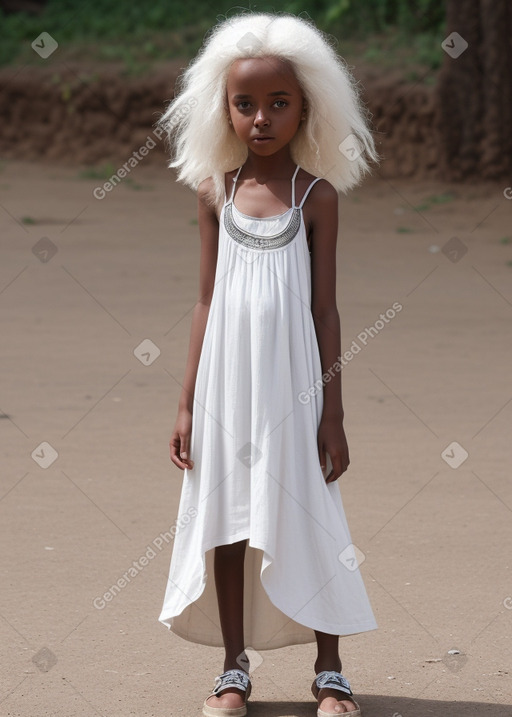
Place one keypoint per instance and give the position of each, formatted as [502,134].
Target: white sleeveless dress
[256,472]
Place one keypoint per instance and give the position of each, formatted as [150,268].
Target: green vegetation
[138,34]
[136,186]
[433,200]
[101,172]
[411,16]
[105,171]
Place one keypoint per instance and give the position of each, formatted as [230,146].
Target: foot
[328,701]
[230,698]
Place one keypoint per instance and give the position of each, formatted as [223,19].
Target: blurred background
[441,111]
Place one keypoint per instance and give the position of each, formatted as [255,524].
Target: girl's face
[265,103]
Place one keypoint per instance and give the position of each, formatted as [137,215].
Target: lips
[258,138]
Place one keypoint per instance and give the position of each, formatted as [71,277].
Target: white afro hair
[196,119]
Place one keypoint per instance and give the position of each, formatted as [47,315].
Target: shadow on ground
[380,706]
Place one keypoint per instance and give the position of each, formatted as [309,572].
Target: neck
[279,165]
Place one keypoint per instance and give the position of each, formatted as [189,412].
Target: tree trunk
[475,92]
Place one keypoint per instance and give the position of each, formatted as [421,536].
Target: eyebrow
[270,94]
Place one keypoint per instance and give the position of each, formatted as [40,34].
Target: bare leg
[329,659]
[229,583]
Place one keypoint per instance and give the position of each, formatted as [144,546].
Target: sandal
[230,678]
[335,681]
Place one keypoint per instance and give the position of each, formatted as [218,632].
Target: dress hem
[297,639]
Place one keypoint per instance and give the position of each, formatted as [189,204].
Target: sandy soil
[435,538]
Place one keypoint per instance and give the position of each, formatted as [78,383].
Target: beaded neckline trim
[256,241]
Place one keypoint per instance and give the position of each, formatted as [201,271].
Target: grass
[418,56]
[132,184]
[137,35]
[433,200]
[137,58]
[104,171]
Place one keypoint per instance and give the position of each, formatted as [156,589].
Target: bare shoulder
[205,190]
[322,192]
[321,205]
[206,199]
[325,192]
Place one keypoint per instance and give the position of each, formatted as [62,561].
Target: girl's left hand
[332,440]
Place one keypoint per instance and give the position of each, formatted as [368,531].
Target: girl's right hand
[180,441]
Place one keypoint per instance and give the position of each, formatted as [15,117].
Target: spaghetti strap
[293,186]
[234,184]
[308,191]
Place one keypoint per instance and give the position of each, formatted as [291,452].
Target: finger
[335,471]
[344,465]
[184,452]
[185,460]
[329,467]
[178,463]
[174,446]
[321,457]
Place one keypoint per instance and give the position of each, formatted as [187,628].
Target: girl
[268,127]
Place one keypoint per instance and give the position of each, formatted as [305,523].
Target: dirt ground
[83,282]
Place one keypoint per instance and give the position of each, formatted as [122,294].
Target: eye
[242,102]
[284,103]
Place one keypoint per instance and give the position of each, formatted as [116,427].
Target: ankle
[322,664]
[240,662]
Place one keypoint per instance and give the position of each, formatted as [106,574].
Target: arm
[324,225]
[209,232]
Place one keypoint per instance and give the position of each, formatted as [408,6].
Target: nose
[260,120]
